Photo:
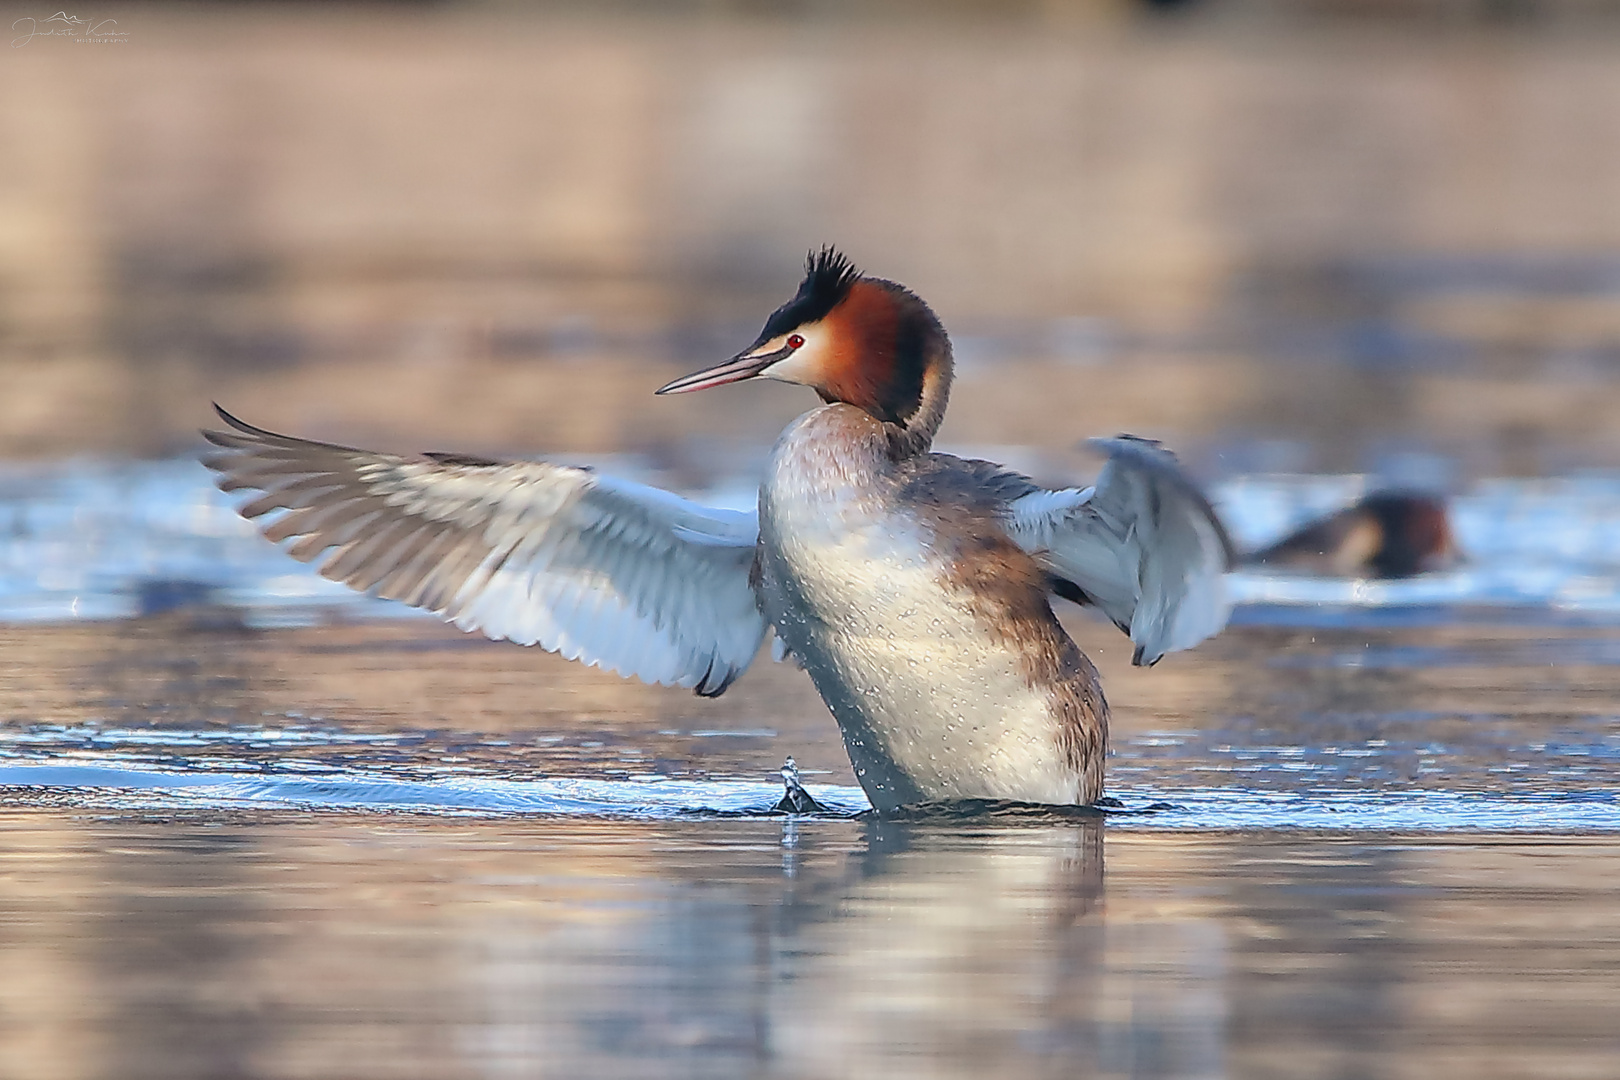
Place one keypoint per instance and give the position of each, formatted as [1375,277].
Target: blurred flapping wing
[613,573]
[1143,545]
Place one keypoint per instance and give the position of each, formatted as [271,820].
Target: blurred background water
[254,825]
[1341,235]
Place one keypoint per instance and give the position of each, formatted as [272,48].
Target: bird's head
[853,339]
[1413,534]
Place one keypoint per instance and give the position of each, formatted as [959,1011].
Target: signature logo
[81,31]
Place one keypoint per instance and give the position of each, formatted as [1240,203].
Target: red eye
[795,341]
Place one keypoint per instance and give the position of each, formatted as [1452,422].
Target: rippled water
[251,825]
[393,946]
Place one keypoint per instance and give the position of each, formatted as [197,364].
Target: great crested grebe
[912,586]
[1387,534]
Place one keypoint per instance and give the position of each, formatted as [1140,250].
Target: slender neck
[898,366]
[915,434]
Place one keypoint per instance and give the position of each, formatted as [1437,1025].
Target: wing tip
[707,688]
[1140,657]
[236,422]
[243,436]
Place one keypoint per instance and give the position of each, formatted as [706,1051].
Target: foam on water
[118,775]
[650,797]
[1403,810]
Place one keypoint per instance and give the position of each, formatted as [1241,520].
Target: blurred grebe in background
[1388,534]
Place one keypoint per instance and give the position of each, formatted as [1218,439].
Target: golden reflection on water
[209,942]
[1476,704]
[347,945]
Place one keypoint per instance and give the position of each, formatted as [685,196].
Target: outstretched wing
[613,573]
[1143,545]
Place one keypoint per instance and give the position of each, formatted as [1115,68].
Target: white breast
[931,703]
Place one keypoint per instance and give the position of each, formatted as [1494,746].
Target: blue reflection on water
[99,540]
[111,787]
[1552,542]
[1406,811]
[650,797]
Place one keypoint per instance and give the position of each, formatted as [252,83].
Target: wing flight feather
[1143,545]
[617,574]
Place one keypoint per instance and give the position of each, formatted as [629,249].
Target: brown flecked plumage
[965,504]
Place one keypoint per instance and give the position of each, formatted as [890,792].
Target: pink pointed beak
[742,366]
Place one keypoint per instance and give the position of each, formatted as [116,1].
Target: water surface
[285,945]
[253,826]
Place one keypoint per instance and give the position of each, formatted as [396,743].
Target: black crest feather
[828,277]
